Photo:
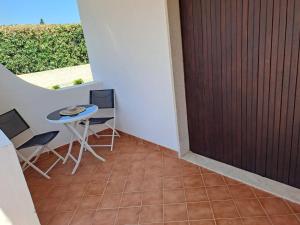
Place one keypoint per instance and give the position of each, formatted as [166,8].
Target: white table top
[55,117]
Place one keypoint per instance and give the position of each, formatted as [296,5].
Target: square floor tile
[295,207]
[177,223]
[152,184]
[174,196]
[69,205]
[261,194]
[202,222]
[212,179]
[58,192]
[128,215]
[78,190]
[110,201]
[230,222]
[151,214]
[249,207]
[172,182]
[193,181]
[83,217]
[287,219]
[196,194]
[152,198]
[48,205]
[256,221]
[218,193]
[105,217]
[95,189]
[230,181]
[190,170]
[131,199]
[175,212]
[275,206]
[224,209]
[241,191]
[61,218]
[90,202]
[200,210]
[45,217]
[115,187]
[134,185]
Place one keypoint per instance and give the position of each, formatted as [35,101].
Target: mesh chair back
[102,98]
[12,124]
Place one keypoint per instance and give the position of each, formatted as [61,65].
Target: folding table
[71,124]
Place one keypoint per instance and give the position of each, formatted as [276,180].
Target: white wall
[16,207]
[129,50]
[35,103]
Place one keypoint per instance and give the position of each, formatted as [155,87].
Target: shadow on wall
[35,103]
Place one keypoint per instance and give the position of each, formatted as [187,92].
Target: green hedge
[33,48]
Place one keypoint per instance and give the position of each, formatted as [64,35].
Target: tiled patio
[141,183]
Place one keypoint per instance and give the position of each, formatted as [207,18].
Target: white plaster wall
[35,103]
[16,207]
[129,50]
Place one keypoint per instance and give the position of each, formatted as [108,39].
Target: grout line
[291,209]
[186,203]
[265,211]
[142,196]
[232,199]
[209,202]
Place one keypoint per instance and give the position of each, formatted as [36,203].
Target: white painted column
[16,206]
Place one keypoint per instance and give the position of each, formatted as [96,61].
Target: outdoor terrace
[143,183]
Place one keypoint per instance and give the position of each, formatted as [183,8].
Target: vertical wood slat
[283,150]
[242,69]
[292,110]
[260,153]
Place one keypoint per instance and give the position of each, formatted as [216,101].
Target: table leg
[81,147]
[70,147]
[84,144]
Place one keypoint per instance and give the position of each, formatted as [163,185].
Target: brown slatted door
[242,65]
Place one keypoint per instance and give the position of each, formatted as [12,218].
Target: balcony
[208,105]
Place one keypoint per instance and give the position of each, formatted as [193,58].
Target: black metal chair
[104,99]
[12,124]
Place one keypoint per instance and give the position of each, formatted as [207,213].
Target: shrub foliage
[34,48]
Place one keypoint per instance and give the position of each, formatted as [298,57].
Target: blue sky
[31,11]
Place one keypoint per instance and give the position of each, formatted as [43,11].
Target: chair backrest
[12,124]
[103,98]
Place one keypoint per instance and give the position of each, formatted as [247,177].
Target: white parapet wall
[16,206]
[63,77]
[35,103]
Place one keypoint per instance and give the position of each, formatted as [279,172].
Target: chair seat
[101,120]
[41,139]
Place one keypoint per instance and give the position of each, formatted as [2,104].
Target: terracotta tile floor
[141,183]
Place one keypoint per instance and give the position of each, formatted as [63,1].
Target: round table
[71,123]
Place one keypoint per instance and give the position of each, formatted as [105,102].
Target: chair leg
[94,133]
[32,165]
[113,134]
[35,154]
[113,128]
[55,153]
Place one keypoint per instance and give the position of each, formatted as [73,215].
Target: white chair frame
[113,128]
[35,155]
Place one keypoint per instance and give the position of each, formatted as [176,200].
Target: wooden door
[242,67]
